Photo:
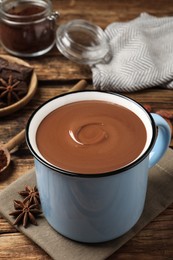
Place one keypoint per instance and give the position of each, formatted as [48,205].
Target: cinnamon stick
[79,86]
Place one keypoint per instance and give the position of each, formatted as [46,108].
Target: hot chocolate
[91,137]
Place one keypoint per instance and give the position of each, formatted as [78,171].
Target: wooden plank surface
[56,75]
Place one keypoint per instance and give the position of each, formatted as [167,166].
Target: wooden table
[56,74]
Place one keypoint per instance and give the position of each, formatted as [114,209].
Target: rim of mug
[42,160]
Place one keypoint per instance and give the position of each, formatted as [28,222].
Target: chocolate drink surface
[91,137]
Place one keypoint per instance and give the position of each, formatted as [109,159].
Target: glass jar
[27,27]
[83,42]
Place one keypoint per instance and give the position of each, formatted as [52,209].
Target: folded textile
[142,55]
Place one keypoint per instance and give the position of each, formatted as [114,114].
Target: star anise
[25,212]
[31,195]
[11,90]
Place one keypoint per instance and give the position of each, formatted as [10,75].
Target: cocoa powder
[26,37]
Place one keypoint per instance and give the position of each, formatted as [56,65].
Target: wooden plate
[31,90]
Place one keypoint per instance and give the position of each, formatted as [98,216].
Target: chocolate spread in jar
[91,137]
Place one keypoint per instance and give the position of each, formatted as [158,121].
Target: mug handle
[162,141]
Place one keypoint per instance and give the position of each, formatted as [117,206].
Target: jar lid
[83,42]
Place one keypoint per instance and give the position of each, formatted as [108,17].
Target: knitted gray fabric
[142,55]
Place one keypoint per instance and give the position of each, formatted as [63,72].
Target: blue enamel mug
[96,208]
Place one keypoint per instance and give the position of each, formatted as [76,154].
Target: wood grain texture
[56,75]
[18,247]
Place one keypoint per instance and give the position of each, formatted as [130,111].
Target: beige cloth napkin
[159,196]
